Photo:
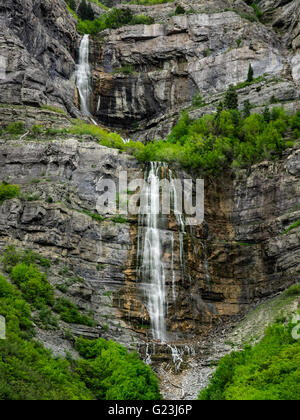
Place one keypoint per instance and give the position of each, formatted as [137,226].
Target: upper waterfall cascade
[152,271]
[83,78]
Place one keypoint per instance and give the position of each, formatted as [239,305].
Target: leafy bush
[179,10]
[94,216]
[197,101]
[27,370]
[268,371]
[8,191]
[46,320]
[293,290]
[113,19]
[34,285]
[15,128]
[69,313]
[30,372]
[112,373]
[36,130]
[141,20]
[292,227]
[216,142]
[12,257]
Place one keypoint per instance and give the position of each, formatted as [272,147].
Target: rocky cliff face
[236,258]
[143,77]
[37,41]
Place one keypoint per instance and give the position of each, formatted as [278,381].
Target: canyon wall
[143,77]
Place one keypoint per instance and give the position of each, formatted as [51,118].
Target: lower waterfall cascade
[152,273]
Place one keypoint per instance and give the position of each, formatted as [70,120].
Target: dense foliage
[268,371]
[33,284]
[85,11]
[8,191]
[27,370]
[226,139]
[30,372]
[113,19]
[114,374]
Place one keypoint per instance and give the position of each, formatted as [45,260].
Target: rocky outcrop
[37,44]
[237,257]
[244,231]
[284,17]
[59,180]
[143,76]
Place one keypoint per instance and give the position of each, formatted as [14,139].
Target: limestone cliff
[37,41]
[143,76]
[204,51]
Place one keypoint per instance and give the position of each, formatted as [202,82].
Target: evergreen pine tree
[246,109]
[72,5]
[82,10]
[90,12]
[250,74]
[231,98]
[267,114]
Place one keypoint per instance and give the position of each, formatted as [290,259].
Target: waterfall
[152,271]
[83,78]
[177,356]
[152,266]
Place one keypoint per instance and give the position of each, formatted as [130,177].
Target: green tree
[231,98]
[72,4]
[90,12]
[85,11]
[246,109]
[267,114]
[250,74]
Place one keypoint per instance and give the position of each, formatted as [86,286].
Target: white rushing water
[152,272]
[83,78]
[152,269]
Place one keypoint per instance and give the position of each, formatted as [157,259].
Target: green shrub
[46,320]
[197,101]
[30,372]
[94,216]
[112,373]
[126,69]
[141,20]
[268,371]
[15,128]
[33,284]
[69,313]
[36,130]
[292,227]
[115,18]
[8,191]
[179,10]
[231,98]
[119,219]
[11,257]
[293,290]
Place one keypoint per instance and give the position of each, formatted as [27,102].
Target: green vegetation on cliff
[113,19]
[223,140]
[268,371]
[30,372]
[8,191]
